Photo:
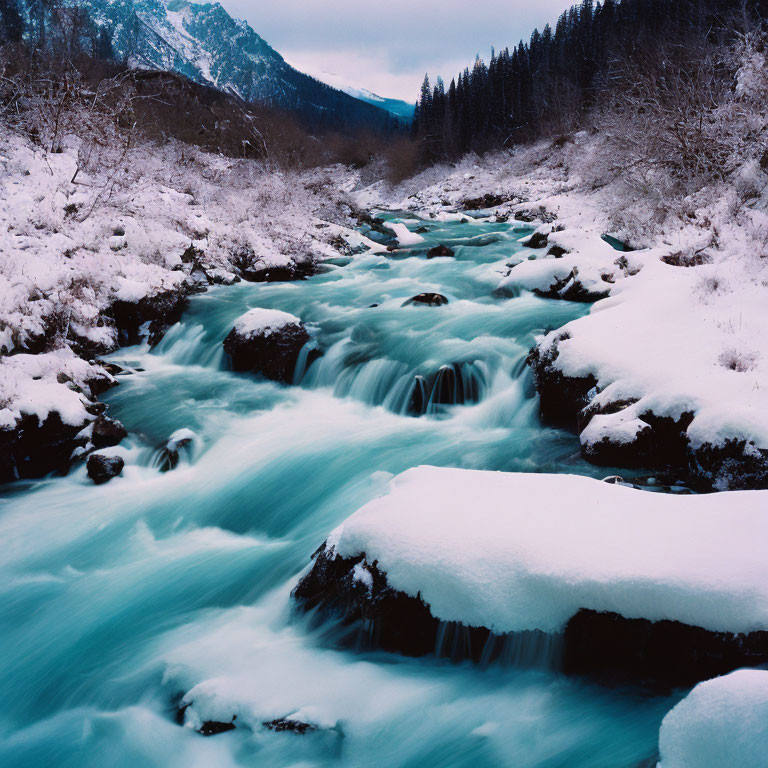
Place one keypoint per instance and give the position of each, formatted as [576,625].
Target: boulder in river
[33,448]
[427,299]
[107,432]
[438,251]
[180,441]
[101,468]
[561,397]
[266,341]
[604,645]
[160,311]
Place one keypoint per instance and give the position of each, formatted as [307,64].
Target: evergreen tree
[11,21]
[547,83]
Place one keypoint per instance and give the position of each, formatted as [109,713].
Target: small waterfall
[531,649]
[186,344]
[456,384]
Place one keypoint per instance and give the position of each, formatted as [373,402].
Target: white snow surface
[722,723]
[264,322]
[515,552]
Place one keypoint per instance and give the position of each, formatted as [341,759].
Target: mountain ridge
[208,45]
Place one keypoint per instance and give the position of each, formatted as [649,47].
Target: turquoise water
[115,600]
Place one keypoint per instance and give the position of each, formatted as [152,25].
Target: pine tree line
[545,86]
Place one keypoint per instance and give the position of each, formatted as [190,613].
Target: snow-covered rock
[521,553]
[722,723]
[266,341]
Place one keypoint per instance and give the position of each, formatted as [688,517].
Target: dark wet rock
[524,216]
[661,442]
[260,273]
[481,203]
[735,465]
[438,251]
[557,251]
[98,385]
[160,311]
[107,432]
[214,727]
[609,646]
[427,299]
[34,449]
[101,468]
[375,613]
[681,259]
[417,402]
[209,727]
[455,384]
[192,255]
[113,369]
[561,397]
[374,223]
[274,354]
[536,240]
[284,724]
[570,288]
[614,480]
[603,645]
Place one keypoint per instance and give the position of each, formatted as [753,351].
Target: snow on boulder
[579,266]
[516,553]
[722,723]
[266,341]
[44,407]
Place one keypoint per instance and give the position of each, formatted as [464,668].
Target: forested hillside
[642,56]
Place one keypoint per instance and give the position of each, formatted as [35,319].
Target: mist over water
[115,600]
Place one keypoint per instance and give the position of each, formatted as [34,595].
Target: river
[117,599]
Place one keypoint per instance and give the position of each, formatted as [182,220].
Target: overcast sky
[388,46]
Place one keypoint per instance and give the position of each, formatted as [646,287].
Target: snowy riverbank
[97,258]
[670,368]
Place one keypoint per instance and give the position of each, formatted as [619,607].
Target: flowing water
[117,599]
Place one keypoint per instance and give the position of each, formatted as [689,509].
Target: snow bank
[722,723]
[83,232]
[39,385]
[515,552]
[263,322]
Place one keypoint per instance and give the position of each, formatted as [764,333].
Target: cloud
[388,48]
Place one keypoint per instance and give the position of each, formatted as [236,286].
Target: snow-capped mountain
[205,43]
[397,107]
